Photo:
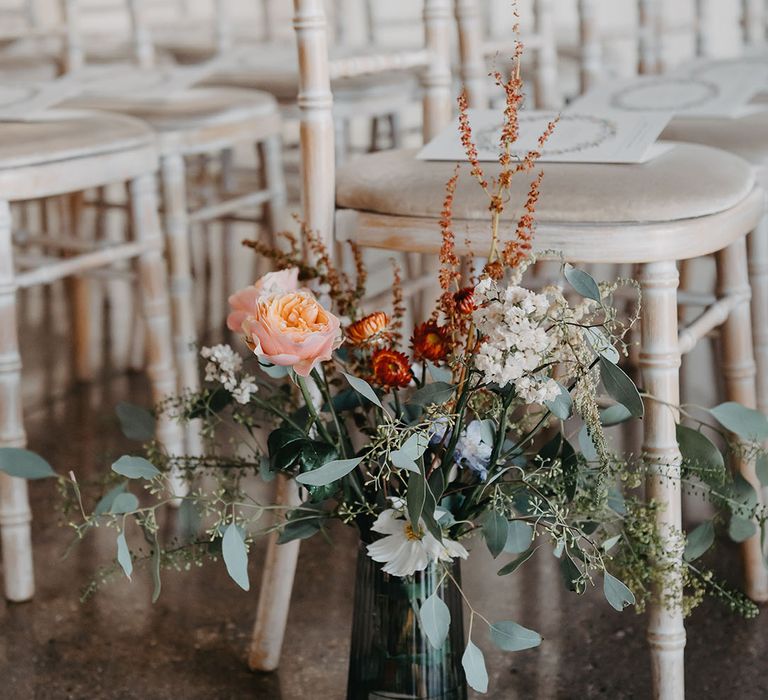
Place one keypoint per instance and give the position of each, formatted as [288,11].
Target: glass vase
[390,656]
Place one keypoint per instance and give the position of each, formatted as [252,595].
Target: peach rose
[243,302]
[292,330]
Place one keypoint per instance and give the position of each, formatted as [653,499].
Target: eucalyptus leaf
[570,464]
[135,468]
[572,575]
[586,445]
[473,663]
[105,503]
[124,503]
[124,555]
[761,468]
[740,529]
[516,563]
[562,405]
[235,555]
[136,422]
[745,422]
[614,415]
[616,593]
[21,463]
[699,452]
[582,282]
[437,392]
[415,498]
[509,636]
[439,374]
[302,528]
[411,450]
[274,371]
[699,540]
[610,543]
[495,532]
[328,473]
[601,344]
[363,388]
[155,568]
[620,387]
[435,620]
[519,537]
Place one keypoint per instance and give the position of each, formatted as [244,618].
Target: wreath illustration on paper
[687,94]
[577,133]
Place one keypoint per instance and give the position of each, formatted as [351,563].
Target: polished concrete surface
[192,643]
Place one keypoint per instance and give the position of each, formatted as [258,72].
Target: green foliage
[21,463]
[509,636]
[137,423]
[235,555]
[745,422]
[616,593]
[495,532]
[135,468]
[435,620]
[473,663]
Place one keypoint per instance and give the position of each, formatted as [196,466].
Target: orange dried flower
[368,329]
[465,300]
[391,368]
[494,270]
[430,342]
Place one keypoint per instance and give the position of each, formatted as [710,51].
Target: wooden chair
[692,201]
[66,153]
[189,123]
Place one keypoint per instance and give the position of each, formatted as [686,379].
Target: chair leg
[177,237]
[154,287]
[660,364]
[758,281]
[15,514]
[271,157]
[738,368]
[275,593]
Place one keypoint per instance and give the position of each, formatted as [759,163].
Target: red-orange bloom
[391,368]
[369,328]
[430,342]
[465,300]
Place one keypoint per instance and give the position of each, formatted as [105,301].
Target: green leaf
[155,568]
[610,543]
[235,555]
[329,472]
[509,636]
[124,555]
[698,450]
[437,392]
[586,445]
[601,344]
[439,374]
[188,520]
[435,620]
[614,415]
[105,503]
[16,461]
[616,593]
[135,468]
[582,282]
[740,529]
[300,526]
[570,464]
[363,388]
[282,447]
[519,537]
[274,371]
[745,496]
[515,564]
[473,663]
[410,451]
[124,503]
[562,406]
[415,498]
[620,387]
[744,422]
[495,532]
[572,576]
[699,540]
[761,468]
[136,422]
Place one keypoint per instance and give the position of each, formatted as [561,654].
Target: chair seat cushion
[62,135]
[746,137]
[687,181]
[183,109]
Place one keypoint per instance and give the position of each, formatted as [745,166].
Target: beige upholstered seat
[186,108]
[664,189]
[69,134]
[746,137]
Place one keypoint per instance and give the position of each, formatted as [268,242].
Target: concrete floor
[191,644]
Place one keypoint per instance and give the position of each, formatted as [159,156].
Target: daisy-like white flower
[403,551]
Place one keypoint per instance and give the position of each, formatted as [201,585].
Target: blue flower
[472,451]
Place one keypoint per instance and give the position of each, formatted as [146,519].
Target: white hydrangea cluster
[511,320]
[223,367]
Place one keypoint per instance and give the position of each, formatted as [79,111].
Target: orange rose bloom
[292,330]
[371,327]
[430,342]
[391,368]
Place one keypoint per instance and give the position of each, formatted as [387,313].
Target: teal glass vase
[391,657]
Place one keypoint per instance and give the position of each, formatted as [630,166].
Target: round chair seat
[185,109]
[64,135]
[746,137]
[685,182]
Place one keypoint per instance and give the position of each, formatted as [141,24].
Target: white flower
[223,367]
[404,551]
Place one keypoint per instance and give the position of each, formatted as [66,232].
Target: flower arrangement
[487,424]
